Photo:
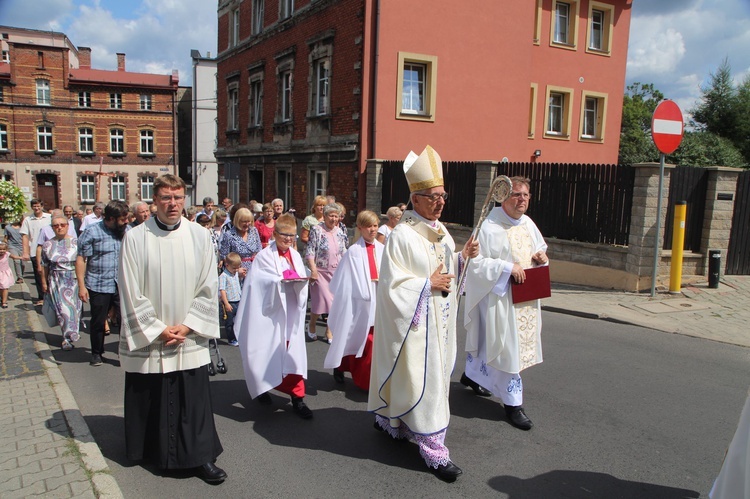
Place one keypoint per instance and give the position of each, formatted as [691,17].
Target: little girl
[6,275]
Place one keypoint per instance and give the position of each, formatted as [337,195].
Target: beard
[119,231]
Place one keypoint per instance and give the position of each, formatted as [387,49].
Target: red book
[536,286]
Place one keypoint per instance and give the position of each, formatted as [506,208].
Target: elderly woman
[59,281]
[394,217]
[313,218]
[325,248]
[265,225]
[242,238]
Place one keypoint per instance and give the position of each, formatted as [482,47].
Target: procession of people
[388,301]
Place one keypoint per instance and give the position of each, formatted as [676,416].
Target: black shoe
[338,376]
[96,360]
[479,390]
[517,417]
[448,472]
[210,473]
[299,406]
[264,398]
[211,369]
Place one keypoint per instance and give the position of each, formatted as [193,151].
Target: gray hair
[99,204]
[331,207]
[207,200]
[134,206]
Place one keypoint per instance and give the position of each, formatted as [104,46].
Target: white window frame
[564,25]
[256,100]
[43,95]
[84,99]
[117,189]
[87,185]
[286,95]
[233,107]
[426,87]
[284,186]
[4,143]
[85,140]
[234,33]
[147,188]
[146,102]
[603,26]
[286,9]
[321,88]
[6,56]
[44,138]
[258,13]
[595,115]
[558,104]
[116,141]
[318,180]
[115,100]
[146,142]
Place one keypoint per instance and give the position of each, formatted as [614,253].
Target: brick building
[310,90]
[71,134]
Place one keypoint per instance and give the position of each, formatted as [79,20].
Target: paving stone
[29,479]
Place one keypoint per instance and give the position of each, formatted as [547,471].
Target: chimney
[120,61]
[84,57]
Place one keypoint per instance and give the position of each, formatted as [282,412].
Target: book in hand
[536,286]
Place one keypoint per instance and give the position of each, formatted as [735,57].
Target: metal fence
[576,202]
[687,183]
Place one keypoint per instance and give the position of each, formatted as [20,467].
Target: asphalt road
[619,411]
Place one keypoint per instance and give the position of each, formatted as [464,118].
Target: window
[284,186]
[532,110]
[417,85]
[88,189]
[600,28]
[234,31]
[118,188]
[2,91]
[44,138]
[84,99]
[145,102]
[256,102]
[6,56]
[42,93]
[318,182]
[320,97]
[233,113]
[564,24]
[85,140]
[147,188]
[115,101]
[117,141]
[286,95]
[593,116]
[557,114]
[147,142]
[3,137]
[286,8]
[258,12]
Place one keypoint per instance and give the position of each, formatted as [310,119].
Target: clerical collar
[166,227]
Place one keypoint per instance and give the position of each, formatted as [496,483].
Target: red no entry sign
[667,127]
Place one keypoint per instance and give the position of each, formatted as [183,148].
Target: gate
[738,254]
[687,183]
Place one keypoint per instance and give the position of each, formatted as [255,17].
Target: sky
[674,44]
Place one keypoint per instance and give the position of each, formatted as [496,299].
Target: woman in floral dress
[59,280]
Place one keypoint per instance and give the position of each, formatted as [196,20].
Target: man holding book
[502,337]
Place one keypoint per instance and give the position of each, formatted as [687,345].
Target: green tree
[716,112]
[706,149]
[638,107]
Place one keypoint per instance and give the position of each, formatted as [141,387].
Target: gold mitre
[423,171]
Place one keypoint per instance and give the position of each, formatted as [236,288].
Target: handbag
[48,311]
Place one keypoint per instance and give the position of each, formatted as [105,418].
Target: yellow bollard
[678,241]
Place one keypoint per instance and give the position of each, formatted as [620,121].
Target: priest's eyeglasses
[176,199]
[286,236]
[434,197]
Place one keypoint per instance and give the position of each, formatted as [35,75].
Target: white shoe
[310,336]
[67,345]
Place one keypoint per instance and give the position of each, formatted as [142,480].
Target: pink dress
[326,247]
[6,275]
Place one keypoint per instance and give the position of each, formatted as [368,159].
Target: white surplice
[167,278]
[501,336]
[734,477]
[270,322]
[353,309]
[414,347]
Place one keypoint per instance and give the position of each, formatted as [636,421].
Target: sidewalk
[714,314]
[46,447]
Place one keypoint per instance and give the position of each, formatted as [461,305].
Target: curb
[103,482]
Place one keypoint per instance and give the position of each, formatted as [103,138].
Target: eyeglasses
[56,226]
[176,199]
[523,195]
[287,236]
[434,197]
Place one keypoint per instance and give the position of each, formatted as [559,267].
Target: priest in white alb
[414,348]
[168,299]
[352,315]
[503,338]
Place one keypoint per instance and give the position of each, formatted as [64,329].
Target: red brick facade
[61,120]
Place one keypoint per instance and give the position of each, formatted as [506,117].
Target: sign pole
[655,268]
